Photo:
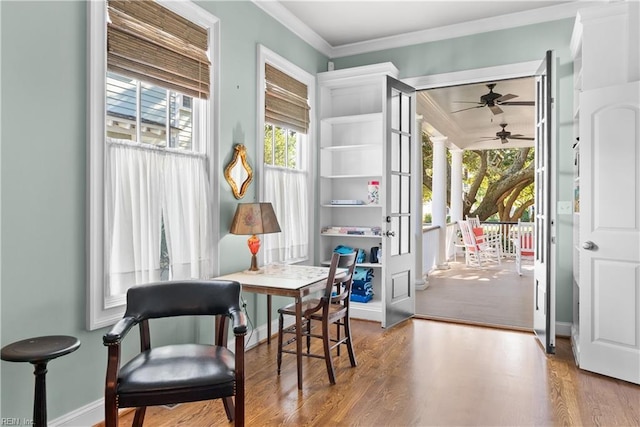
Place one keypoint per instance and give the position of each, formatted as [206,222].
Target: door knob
[589,245]
[390,233]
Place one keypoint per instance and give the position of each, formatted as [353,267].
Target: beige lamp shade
[252,219]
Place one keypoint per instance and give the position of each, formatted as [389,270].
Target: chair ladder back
[344,282]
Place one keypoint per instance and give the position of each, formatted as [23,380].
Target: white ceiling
[346,22]
[342,28]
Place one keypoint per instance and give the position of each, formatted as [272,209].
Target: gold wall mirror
[238,173]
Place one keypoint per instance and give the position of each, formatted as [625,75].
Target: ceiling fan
[504,134]
[493,100]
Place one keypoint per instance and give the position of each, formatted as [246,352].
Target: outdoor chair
[523,243]
[477,251]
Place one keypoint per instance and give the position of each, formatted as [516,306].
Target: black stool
[39,351]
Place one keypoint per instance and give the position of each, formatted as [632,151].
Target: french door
[400,206]
[544,301]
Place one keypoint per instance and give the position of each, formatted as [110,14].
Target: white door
[610,231]
[544,307]
[399,245]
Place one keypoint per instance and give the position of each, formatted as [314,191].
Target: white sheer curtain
[144,186]
[186,217]
[286,189]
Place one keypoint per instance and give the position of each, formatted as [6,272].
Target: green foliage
[497,183]
[280,146]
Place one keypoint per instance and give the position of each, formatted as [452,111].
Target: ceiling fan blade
[468,102]
[506,97]
[470,108]
[495,109]
[530,103]
[525,138]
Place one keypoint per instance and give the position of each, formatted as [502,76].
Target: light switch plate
[564,207]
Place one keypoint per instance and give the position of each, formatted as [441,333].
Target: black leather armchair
[182,372]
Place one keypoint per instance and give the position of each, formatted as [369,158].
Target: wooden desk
[294,281]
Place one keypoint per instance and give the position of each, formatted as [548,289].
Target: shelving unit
[352,134]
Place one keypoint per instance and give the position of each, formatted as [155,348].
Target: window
[151,169]
[286,94]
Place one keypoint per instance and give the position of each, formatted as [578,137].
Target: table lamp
[252,219]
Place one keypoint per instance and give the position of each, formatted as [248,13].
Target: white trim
[87,415]
[267,56]
[99,314]
[563,329]
[295,25]
[478,75]
[512,20]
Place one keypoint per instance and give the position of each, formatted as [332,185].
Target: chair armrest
[239,323]
[119,331]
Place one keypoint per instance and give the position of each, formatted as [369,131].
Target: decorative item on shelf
[351,230]
[238,173]
[252,219]
[373,192]
[361,287]
[346,202]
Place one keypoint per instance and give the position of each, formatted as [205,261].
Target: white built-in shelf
[350,176]
[353,147]
[354,118]
[361,264]
[350,235]
[352,206]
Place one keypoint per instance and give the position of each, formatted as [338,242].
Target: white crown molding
[299,28]
[512,20]
[518,19]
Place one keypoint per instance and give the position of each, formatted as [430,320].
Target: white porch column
[456,185]
[455,209]
[439,197]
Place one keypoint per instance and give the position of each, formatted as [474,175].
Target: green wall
[523,44]
[43,181]
[43,167]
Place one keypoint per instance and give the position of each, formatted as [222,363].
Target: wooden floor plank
[423,373]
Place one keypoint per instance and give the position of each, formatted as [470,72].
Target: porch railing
[454,246]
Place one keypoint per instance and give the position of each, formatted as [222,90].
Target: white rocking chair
[477,250]
[523,242]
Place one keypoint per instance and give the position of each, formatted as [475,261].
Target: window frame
[267,56]
[98,314]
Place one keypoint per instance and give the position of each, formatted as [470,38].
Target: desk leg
[268,319]
[299,339]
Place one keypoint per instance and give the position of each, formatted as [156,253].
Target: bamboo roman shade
[148,42]
[286,101]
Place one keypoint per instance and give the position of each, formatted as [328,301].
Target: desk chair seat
[331,308]
[180,372]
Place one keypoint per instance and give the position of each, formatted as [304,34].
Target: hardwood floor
[423,373]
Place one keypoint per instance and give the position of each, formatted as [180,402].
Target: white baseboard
[563,329]
[85,416]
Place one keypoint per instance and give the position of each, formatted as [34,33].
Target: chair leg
[280,333]
[327,352]
[338,324]
[307,326]
[110,412]
[347,334]
[138,419]
[228,407]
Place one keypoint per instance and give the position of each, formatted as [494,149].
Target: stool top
[39,349]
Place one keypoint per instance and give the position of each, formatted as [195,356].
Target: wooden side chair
[319,313]
[182,372]
[524,244]
[477,250]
